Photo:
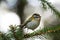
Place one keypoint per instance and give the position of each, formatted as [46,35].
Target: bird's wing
[27,21]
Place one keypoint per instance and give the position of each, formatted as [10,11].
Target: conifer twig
[13,31]
[43,31]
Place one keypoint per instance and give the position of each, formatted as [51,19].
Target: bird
[32,22]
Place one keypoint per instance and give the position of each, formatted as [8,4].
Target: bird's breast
[32,25]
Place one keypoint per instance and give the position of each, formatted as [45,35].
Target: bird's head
[36,16]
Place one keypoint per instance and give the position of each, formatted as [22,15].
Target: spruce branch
[45,30]
[51,7]
[13,31]
[4,37]
[17,32]
[44,6]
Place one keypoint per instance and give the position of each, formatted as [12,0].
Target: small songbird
[32,22]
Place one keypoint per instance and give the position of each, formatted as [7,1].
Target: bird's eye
[34,15]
